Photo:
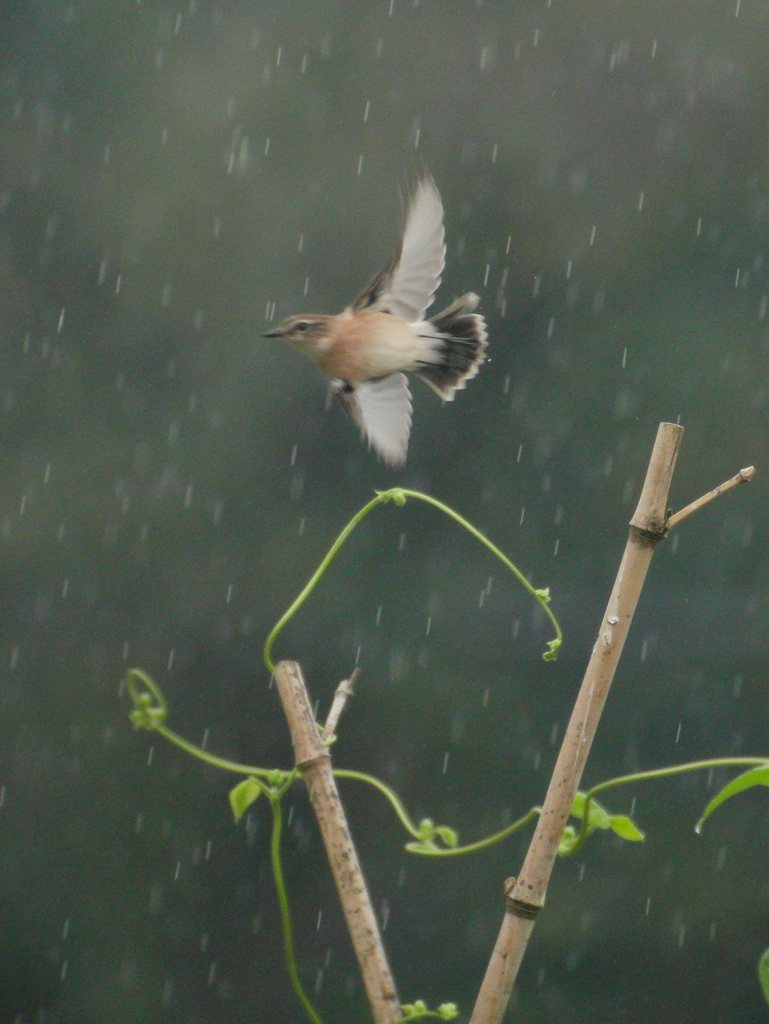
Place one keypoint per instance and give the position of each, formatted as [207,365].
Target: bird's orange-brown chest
[369,344]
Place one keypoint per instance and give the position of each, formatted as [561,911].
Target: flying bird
[367,349]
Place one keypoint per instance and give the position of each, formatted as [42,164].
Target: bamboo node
[520,908]
[311,762]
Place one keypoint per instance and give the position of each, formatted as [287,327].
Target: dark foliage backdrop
[172,176]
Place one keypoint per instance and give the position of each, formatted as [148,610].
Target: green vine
[431,840]
[591,813]
[150,711]
[289,954]
[420,1011]
[398,496]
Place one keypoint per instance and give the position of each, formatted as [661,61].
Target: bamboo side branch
[743,477]
[342,694]
[314,761]
[526,895]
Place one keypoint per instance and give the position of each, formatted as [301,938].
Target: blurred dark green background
[172,176]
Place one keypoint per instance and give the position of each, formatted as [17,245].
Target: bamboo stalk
[314,761]
[525,896]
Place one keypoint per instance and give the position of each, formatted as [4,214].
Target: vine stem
[399,496]
[310,585]
[650,775]
[539,595]
[413,829]
[285,911]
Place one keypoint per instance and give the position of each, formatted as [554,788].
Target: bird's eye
[302,325]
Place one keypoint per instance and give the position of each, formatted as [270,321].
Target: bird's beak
[274,333]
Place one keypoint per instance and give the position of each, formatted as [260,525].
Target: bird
[367,349]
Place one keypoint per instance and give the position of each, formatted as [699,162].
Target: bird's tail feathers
[457,341]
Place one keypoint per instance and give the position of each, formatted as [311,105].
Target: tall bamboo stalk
[526,895]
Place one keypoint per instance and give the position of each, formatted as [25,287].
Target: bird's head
[307,332]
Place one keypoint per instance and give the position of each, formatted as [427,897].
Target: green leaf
[626,828]
[578,804]
[553,647]
[448,1011]
[150,709]
[758,776]
[422,846]
[243,795]
[763,974]
[395,494]
[598,818]
[419,1010]
[567,840]
[411,1009]
[276,777]
[448,836]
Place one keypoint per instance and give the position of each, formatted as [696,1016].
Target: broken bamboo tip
[650,516]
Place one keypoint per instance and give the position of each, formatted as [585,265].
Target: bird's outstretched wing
[382,410]
[405,287]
